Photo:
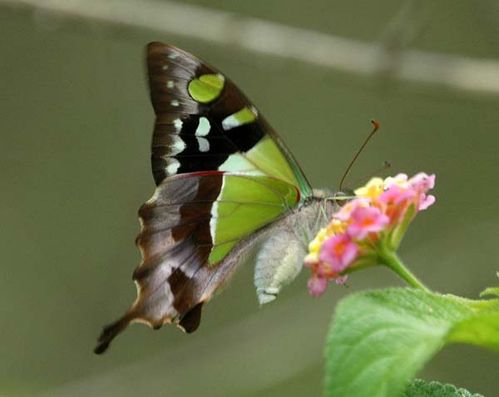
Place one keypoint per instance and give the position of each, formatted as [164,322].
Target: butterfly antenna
[376,126]
[386,165]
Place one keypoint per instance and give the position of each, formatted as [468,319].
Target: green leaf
[491,291]
[379,340]
[420,388]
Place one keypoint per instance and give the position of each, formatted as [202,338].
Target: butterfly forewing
[204,122]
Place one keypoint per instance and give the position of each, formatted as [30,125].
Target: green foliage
[491,291]
[379,340]
[420,388]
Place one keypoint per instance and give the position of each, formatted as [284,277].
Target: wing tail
[110,332]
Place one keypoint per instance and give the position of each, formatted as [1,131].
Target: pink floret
[365,220]
[316,285]
[339,252]
[426,201]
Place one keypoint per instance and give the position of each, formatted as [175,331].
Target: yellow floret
[336,226]
[372,189]
[315,245]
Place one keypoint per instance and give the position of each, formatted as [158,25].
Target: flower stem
[391,260]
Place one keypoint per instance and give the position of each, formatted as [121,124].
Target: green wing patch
[245,204]
[265,158]
[206,88]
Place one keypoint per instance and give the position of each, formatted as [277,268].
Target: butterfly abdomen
[280,258]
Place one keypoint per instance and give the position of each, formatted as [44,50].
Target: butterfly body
[226,186]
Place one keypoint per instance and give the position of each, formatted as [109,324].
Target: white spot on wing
[214,213]
[174,103]
[164,67]
[238,163]
[177,146]
[204,145]
[172,55]
[170,84]
[230,122]
[203,127]
[178,125]
[172,165]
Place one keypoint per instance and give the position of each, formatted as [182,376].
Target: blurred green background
[74,167]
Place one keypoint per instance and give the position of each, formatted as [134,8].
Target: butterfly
[226,186]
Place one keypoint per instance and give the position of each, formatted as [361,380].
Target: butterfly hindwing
[184,258]
[222,174]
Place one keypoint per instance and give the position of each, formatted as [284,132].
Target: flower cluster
[372,223]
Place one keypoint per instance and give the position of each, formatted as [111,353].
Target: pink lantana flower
[367,230]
